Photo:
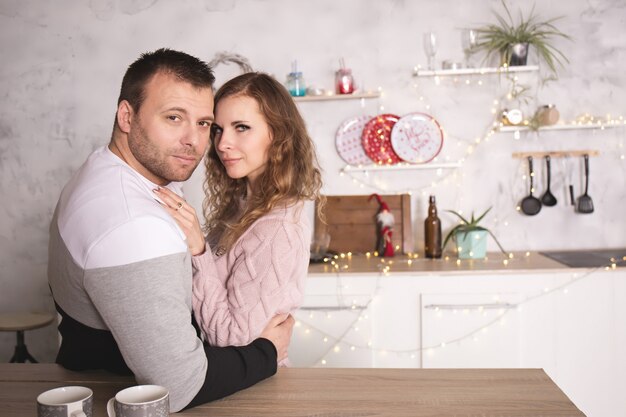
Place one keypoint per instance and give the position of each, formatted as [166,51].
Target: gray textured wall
[62,64]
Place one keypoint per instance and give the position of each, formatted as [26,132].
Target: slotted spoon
[585,203]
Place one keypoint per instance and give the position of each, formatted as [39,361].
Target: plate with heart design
[417,138]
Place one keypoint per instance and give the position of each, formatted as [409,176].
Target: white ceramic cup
[72,401]
[140,401]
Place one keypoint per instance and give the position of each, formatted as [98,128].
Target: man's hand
[278,331]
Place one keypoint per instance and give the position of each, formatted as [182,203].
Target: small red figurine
[385,221]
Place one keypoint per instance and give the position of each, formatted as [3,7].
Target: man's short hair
[184,66]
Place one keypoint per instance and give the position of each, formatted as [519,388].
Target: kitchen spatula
[585,203]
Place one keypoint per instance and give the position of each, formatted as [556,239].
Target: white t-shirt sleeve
[137,240]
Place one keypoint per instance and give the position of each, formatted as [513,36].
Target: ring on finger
[180,205]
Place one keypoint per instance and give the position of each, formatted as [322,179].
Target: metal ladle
[548,199]
[585,203]
[530,205]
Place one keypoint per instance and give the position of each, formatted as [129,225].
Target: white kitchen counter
[528,312]
[448,264]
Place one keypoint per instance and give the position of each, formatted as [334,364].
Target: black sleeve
[231,369]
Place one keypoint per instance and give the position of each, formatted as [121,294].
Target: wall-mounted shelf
[401,167]
[555,154]
[474,71]
[329,97]
[567,126]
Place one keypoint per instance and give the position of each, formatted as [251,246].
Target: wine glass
[469,40]
[430,48]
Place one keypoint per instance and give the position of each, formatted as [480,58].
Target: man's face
[170,133]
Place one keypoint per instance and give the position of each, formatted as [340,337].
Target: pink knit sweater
[235,295]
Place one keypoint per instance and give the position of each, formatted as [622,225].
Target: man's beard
[152,158]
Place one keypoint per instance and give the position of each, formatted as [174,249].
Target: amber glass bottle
[432,231]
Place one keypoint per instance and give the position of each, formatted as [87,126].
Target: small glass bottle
[344,82]
[295,84]
[432,231]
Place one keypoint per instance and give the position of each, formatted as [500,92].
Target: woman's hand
[185,216]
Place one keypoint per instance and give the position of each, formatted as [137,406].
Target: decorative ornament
[385,221]
[227,57]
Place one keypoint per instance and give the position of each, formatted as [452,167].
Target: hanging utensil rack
[555,154]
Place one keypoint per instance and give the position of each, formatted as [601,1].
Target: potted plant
[511,40]
[471,238]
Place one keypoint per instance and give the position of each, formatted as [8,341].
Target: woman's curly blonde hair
[292,173]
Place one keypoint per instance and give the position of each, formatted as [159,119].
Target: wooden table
[331,392]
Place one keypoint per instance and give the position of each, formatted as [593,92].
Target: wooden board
[351,222]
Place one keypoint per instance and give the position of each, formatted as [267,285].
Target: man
[119,268]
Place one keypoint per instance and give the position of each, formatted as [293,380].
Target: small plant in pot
[470,237]
[512,40]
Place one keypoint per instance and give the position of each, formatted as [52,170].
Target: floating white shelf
[556,154]
[401,167]
[329,97]
[568,126]
[473,71]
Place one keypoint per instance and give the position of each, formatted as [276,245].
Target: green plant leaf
[496,38]
[483,215]
[451,233]
[469,226]
[497,242]
[459,216]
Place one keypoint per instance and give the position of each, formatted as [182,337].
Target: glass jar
[295,84]
[344,82]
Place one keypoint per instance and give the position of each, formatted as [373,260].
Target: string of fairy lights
[345,341]
[376,178]
[370,179]
[363,178]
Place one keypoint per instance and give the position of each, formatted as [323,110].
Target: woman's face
[242,137]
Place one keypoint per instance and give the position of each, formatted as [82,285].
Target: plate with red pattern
[376,139]
[417,138]
[348,141]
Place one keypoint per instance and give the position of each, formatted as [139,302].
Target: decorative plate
[376,139]
[417,138]
[348,141]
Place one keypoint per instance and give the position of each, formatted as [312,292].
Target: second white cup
[140,401]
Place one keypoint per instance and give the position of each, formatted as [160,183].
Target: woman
[260,170]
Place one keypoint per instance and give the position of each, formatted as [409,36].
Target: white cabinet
[471,331]
[572,323]
[589,364]
[334,326]
[319,330]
